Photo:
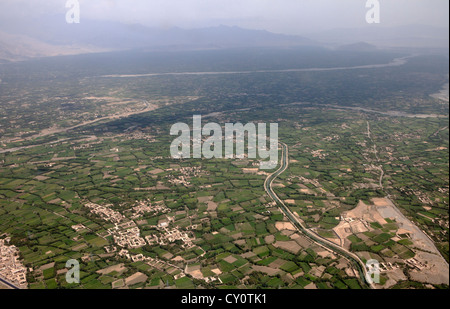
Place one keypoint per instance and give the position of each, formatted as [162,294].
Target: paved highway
[298,223]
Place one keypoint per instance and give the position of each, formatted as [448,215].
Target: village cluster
[105,212]
[126,233]
[169,236]
[11,268]
[143,207]
[186,174]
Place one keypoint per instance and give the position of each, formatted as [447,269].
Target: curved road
[298,223]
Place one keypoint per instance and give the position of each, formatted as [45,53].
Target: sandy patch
[358,227]
[380,202]
[197,274]
[194,271]
[278,185]
[368,212]
[436,270]
[250,170]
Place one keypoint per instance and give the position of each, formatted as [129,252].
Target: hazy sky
[283,16]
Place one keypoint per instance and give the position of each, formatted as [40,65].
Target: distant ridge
[14,47]
[53,33]
[412,36]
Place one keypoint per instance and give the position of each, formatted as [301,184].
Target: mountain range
[51,36]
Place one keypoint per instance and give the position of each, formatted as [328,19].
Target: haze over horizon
[39,28]
[291,17]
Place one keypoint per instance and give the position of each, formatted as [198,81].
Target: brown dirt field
[204,199]
[248,255]
[287,232]
[277,263]
[230,259]
[168,255]
[311,286]
[284,226]
[269,239]
[240,242]
[250,170]
[267,270]
[303,241]
[156,171]
[136,278]
[211,205]
[317,271]
[380,202]
[307,191]
[290,246]
[326,254]
[119,268]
